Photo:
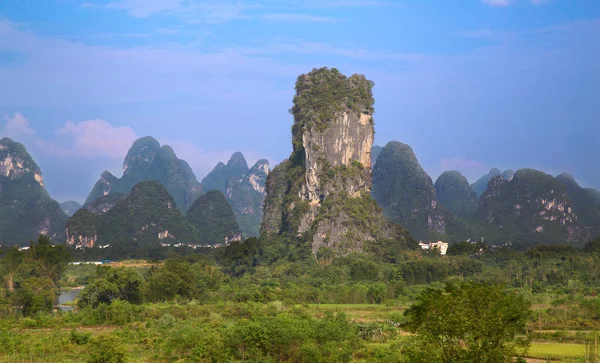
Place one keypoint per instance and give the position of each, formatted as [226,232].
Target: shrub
[106,349]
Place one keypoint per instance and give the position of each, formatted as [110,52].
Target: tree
[35,294]
[593,246]
[9,266]
[469,322]
[50,261]
[111,284]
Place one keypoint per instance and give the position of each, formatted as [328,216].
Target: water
[67,296]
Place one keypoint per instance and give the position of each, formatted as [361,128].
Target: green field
[556,351]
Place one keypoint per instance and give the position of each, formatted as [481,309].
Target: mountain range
[336,190]
[525,207]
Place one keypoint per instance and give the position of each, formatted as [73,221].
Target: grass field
[556,351]
[359,312]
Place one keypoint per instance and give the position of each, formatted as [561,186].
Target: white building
[440,246]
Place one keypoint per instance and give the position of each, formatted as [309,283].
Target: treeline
[31,276]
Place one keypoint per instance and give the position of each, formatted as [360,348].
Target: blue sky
[469,84]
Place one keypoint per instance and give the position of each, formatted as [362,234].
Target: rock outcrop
[406,193]
[145,161]
[322,192]
[244,188]
[26,208]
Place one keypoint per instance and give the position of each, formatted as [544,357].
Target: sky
[469,84]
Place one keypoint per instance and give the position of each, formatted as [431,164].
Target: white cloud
[17,125]
[499,3]
[96,138]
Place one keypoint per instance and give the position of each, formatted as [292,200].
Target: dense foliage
[213,218]
[323,93]
[31,277]
[252,304]
[467,323]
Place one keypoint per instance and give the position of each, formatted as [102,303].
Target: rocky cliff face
[322,191]
[145,161]
[26,208]
[244,189]
[406,193]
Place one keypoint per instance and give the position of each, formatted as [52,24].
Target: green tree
[112,284]
[49,261]
[469,322]
[9,266]
[35,294]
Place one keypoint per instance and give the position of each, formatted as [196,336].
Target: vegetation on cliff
[213,218]
[321,193]
[323,93]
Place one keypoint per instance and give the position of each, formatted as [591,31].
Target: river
[67,296]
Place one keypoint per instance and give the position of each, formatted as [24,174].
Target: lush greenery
[468,323]
[262,301]
[146,161]
[213,218]
[323,93]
